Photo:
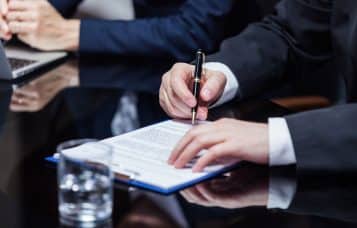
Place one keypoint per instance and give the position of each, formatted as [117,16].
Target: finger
[21,104]
[21,99]
[202,112]
[213,86]
[196,146]
[4,30]
[20,5]
[184,141]
[194,195]
[206,191]
[181,145]
[169,108]
[185,195]
[17,107]
[21,16]
[180,78]
[178,104]
[4,7]
[175,102]
[188,195]
[22,27]
[27,92]
[165,101]
[18,103]
[182,109]
[215,152]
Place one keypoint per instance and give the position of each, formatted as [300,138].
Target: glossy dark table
[78,99]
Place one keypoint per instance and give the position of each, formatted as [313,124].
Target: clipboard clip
[127,174]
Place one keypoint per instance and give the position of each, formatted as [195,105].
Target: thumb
[213,88]
[3,7]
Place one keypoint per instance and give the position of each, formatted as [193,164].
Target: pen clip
[200,61]
[203,63]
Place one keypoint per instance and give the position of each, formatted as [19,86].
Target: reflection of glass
[85,181]
[75,224]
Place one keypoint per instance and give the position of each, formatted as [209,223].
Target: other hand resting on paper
[223,139]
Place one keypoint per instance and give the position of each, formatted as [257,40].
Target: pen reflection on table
[36,94]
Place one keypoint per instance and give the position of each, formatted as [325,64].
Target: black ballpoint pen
[200,58]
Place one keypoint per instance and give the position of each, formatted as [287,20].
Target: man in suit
[168,29]
[305,40]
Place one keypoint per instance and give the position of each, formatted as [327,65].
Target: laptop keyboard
[19,63]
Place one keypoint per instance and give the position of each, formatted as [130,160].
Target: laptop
[16,61]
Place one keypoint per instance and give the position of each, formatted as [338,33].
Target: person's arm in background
[197,24]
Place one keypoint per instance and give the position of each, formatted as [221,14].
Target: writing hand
[176,97]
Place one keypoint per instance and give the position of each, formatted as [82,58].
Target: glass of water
[85,189]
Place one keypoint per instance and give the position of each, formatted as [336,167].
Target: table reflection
[245,187]
[36,94]
[330,197]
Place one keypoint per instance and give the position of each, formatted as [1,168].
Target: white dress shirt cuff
[281,152]
[281,192]
[232,84]
[281,149]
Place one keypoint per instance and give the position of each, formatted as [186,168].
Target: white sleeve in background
[281,149]
[106,9]
[281,192]
[232,84]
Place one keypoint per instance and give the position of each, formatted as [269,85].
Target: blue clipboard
[123,179]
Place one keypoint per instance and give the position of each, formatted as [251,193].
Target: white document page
[143,155]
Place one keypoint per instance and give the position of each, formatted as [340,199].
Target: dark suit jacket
[170,29]
[306,42]
[326,196]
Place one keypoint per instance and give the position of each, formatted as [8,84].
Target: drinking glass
[85,189]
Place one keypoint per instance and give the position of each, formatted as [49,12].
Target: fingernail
[196,170]
[177,165]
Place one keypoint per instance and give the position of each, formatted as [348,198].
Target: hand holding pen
[177,98]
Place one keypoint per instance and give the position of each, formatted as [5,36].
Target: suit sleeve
[279,47]
[325,140]
[197,24]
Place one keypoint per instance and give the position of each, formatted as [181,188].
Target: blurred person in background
[169,29]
